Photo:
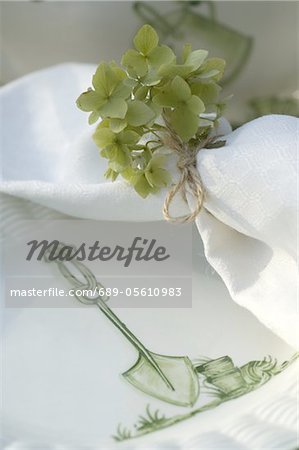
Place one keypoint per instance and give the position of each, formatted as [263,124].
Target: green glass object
[187,25]
[274,105]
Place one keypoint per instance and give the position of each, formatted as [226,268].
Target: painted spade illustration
[172,379]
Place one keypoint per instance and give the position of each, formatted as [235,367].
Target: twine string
[189,181]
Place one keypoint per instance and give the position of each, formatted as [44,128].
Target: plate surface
[62,384]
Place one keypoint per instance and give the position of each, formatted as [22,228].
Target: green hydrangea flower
[107,99]
[141,104]
[147,54]
[184,107]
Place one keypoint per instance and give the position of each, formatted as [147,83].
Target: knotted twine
[189,181]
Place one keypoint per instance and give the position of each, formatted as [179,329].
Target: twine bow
[189,181]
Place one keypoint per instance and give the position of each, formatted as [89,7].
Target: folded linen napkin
[248,224]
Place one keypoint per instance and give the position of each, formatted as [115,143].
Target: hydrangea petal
[146,39]
[158,177]
[93,117]
[105,79]
[184,122]
[171,70]
[142,186]
[118,125]
[90,101]
[214,64]
[208,92]
[103,137]
[196,105]
[180,88]
[138,113]
[115,108]
[196,58]
[129,137]
[161,55]
[136,62]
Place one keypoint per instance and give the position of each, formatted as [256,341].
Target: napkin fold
[249,221]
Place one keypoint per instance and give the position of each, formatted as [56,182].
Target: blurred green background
[258,39]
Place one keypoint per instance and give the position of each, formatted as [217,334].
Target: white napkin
[248,225]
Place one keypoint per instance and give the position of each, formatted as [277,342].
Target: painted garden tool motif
[222,380]
[172,379]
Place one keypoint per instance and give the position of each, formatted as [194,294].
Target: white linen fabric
[249,222]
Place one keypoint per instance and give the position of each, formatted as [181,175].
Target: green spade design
[177,369]
[172,379]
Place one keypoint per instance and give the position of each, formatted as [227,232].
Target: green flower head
[108,98]
[144,104]
[148,53]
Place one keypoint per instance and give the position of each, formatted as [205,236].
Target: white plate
[62,387]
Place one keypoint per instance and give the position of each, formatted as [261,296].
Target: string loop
[189,181]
